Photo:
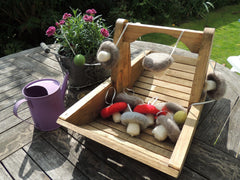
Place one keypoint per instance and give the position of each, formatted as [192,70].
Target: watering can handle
[16,106]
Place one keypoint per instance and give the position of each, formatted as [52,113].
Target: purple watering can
[45,100]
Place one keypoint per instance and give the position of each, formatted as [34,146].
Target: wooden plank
[121,73]
[180,74]
[202,65]
[168,78]
[21,166]
[183,67]
[83,159]
[128,167]
[134,140]
[146,135]
[15,138]
[192,39]
[165,84]
[4,174]
[45,60]
[161,97]
[88,107]
[12,76]
[212,163]
[12,121]
[184,59]
[133,151]
[51,161]
[16,84]
[162,90]
[184,141]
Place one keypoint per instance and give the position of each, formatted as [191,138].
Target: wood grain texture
[83,159]
[51,161]
[21,166]
[4,174]
[212,163]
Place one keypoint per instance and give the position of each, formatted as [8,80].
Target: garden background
[24,23]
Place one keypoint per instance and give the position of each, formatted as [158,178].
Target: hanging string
[180,36]
[120,37]
[114,94]
[200,103]
[153,100]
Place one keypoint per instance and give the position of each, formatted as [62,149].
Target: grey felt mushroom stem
[135,122]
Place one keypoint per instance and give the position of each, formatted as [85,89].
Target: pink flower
[50,31]
[91,11]
[104,32]
[88,18]
[66,15]
[61,22]
[57,24]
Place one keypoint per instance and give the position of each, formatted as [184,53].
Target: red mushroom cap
[116,107]
[146,109]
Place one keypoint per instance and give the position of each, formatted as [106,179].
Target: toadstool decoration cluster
[165,118]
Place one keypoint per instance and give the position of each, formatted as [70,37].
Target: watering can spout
[64,85]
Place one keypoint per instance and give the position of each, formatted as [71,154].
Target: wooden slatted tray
[182,83]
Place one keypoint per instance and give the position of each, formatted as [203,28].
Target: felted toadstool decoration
[129,99]
[135,122]
[172,128]
[149,110]
[108,54]
[114,111]
[215,85]
[159,62]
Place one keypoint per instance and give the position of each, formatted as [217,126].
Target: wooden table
[26,153]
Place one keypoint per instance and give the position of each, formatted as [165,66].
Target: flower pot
[82,76]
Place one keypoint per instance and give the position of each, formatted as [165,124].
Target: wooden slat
[133,140]
[28,169]
[185,60]
[184,141]
[179,74]
[202,65]
[152,159]
[183,67]
[146,135]
[162,90]
[87,108]
[161,97]
[167,85]
[168,78]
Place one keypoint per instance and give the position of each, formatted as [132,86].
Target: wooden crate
[182,84]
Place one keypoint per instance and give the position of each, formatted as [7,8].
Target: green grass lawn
[227,35]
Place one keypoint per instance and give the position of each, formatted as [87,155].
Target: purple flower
[104,32]
[88,18]
[66,15]
[91,11]
[50,31]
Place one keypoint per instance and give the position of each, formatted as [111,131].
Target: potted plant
[80,35]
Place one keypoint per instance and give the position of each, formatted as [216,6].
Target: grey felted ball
[111,48]
[220,89]
[157,61]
